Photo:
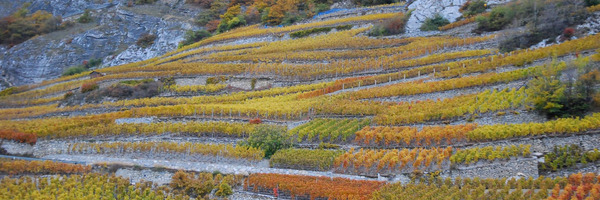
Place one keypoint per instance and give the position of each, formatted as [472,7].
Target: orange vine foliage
[18,136]
[311,186]
[373,161]
[411,136]
[41,167]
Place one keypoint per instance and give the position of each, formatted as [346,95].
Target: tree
[269,138]
[546,92]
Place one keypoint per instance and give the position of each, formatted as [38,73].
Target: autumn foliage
[311,186]
[28,138]
[41,167]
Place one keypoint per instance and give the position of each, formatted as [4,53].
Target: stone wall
[522,167]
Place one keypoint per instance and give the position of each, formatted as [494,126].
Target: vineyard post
[212,113]
[343,86]
[230,113]
[419,74]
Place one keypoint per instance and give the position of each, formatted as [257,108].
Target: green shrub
[85,18]
[192,37]
[554,98]
[269,138]
[304,33]
[472,8]
[432,24]
[498,19]
[74,70]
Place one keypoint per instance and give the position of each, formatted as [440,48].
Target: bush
[20,26]
[432,24]
[269,138]
[74,70]
[498,19]
[304,33]
[85,18]
[392,26]
[86,87]
[146,40]
[554,98]
[192,37]
[473,8]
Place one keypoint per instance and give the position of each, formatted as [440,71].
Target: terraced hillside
[322,109]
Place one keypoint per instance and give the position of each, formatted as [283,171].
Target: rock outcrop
[112,37]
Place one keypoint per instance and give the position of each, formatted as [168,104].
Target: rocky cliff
[111,36]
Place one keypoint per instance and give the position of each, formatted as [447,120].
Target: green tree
[269,138]
[546,92]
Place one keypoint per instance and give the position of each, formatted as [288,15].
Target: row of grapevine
[328,130]
[211,88]
[446,109]
[21,167]
[420,87]
[252,31]
[407,136]
[374,161]
[305,159]
[310,187]
[158,101]
[187,148]
[87,186]
[576,186]
[568,156]
[561,126]
[27,138]
[489,153]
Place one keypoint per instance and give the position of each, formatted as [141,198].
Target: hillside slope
[354,104]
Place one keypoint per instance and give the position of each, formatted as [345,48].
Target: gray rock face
[111,37]
[428,8]
[64,8]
